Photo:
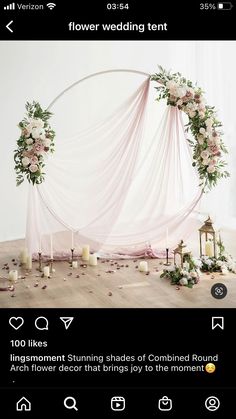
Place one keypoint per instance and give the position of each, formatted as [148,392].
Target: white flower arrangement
[35,142]
[208,146]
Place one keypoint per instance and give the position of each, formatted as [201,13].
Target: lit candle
[29,262]
[72,239]
[186,266]
[85,252]
[208,248]
[46,271]
[23,255]
[74,264]
[51,247]
[13,276]
[93,261]
[167,238]
[143,266]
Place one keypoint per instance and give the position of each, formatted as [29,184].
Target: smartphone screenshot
[118,209]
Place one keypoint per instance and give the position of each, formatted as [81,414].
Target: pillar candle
[75,264]
[40,244]
[51,247]
[29,262]
[93,261]
[167,238]
[186,266]
[46,271]
[13,276]
[72,240]
[23,255]
[209,248]
[143,266]
[85,252]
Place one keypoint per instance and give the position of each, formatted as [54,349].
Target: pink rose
[33,168]
[34,160]
[211,168]
[38,147]
[204,154]
[214,149]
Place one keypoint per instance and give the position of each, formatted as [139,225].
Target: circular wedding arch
[90,76]
[174,222]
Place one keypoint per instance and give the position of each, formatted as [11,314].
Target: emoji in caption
[210,368]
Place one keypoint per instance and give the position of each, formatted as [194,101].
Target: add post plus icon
[67,321]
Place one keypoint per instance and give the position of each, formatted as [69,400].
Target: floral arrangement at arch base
[35,143]
[187,276]
[208,147]
[223,263]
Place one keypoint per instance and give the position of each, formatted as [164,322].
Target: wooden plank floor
[95,287]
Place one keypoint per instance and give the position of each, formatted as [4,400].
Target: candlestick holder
[40,262]
[51,266]
[167,263]
[72,256]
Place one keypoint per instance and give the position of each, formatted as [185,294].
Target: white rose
[201,114]
[25,161]
[36,133]
[204,154]
[37,123]
[181,91]
[209,122]
[202,131]
[29,141]
[46,142]
[192,114]
[183,281]
[171,84]
[206,162]
[42,135]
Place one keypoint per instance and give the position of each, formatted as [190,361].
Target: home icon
[23,405]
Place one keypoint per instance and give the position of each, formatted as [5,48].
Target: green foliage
[197,121]
[25,149]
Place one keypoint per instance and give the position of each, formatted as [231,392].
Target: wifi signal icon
[51,5]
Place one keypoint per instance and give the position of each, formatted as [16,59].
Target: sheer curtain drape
[117,184]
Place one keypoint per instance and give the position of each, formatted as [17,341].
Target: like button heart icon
[16,322]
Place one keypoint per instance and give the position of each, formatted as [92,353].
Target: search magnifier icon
[70,403]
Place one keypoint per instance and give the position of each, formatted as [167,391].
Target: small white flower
[202,131]
[183,281]
[29,141]
[25,161]
[47,142]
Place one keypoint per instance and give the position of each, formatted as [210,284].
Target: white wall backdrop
[41,70]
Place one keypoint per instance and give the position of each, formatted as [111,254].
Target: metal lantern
[181,253]
[207,237]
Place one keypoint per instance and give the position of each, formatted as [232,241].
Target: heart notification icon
[16,322]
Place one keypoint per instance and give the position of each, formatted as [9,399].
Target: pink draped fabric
[112,188]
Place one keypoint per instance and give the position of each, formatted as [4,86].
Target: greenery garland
[35,142]
[208,146]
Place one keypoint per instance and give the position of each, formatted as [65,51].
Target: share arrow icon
[67,321]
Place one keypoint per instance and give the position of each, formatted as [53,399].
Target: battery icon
[227,5]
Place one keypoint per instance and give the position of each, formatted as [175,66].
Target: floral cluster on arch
[207,144]
[35,143]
